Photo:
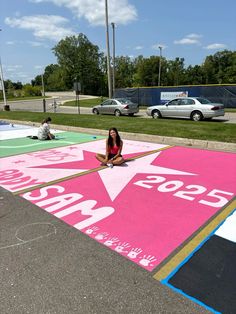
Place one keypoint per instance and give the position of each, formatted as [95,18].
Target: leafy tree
[103,77]
[9,88]
[55,80]
[124,72]
[194,75]
[147,70]
[18,85]
[8,84]
[37,81]
[227,66]
[29,90]
[49,70]
[220,68]
[175,72]
[80,61]
[210,69]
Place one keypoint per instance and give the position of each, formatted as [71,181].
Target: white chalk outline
[31,240]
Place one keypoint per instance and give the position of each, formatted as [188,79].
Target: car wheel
[95,111]
[196,116]
[117,113]
[156,114]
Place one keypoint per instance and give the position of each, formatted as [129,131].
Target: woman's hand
[111,160]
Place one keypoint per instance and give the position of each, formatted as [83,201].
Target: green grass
[89,103]
[230,110]
[204,130]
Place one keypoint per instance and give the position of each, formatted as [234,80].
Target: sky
[187,29]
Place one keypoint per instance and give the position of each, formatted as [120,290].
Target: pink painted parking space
[148,210]
[144,209]
[36,168]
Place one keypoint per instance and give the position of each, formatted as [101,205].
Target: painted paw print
[134,253]
[101,236]
[121,247]
[147,259]
[91,230]
[111,241]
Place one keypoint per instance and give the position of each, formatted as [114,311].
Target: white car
[194,108]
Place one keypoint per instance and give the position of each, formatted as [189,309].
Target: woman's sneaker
[110,165]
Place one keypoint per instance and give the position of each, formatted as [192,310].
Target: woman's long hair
[110,139]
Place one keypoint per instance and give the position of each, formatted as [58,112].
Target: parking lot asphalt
[50,267]
[47,266]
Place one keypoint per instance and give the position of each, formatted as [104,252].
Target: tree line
[78,60]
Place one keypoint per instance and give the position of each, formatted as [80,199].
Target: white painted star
[117,178]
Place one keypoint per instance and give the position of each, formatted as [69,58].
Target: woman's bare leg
[101,158]
[118,161]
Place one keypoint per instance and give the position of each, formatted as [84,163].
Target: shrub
[29,90]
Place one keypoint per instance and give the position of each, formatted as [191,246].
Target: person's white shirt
[43,131]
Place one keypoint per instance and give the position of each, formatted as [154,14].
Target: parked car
[116,106]
[195,108]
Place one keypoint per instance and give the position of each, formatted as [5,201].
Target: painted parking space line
[188,248]
[207,275]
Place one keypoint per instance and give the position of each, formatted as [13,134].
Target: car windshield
[124,100]
[203,100]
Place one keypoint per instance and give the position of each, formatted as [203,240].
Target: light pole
[113,59]
[108,52]
[6,107]
[43,92]
[159,73]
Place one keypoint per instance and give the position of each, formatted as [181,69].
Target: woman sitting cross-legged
[114,146]
[44,132]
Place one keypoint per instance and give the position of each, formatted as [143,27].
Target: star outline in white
[116,179]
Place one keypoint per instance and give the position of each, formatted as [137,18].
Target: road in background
[55,104]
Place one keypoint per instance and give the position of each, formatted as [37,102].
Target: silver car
[195,108]
[116,106]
